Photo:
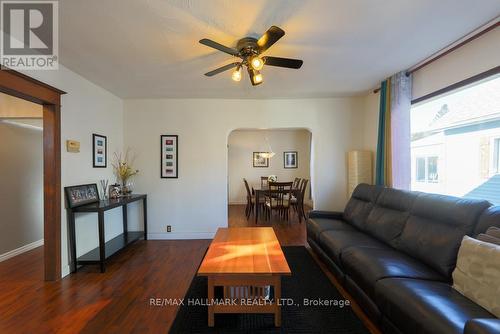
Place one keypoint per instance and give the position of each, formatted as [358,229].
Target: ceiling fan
[249,49]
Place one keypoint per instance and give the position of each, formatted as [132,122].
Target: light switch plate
[72,146]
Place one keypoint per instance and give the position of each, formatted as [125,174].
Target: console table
[106,249]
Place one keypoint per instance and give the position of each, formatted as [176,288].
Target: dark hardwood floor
[290,233]
[117,301]
[90,302]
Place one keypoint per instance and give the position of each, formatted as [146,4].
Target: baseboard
[20,250]
[181,235]
[66,270]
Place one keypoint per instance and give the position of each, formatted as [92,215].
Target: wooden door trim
[27,88]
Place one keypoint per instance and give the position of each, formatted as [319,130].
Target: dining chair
[295,186]
[249,209]
[278,199]
[264,181]
[297,202]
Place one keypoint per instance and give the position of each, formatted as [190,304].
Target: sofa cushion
[489,217]
[366,266]
[334,242]
[389,215]
[317,225]
[477,275]
[360,204]
[425,307]
[482,326]
[436,226]
[326,214]
[364,301]
[334,268]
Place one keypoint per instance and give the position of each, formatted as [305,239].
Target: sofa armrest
[482,326]
[326,214]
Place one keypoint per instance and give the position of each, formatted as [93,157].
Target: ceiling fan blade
[282,62]
[221,69]
[271,36]
[220,47]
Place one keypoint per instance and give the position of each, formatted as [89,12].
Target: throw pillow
[488,238]
[493,231]
[477,273]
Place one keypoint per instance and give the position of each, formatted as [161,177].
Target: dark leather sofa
[394,251]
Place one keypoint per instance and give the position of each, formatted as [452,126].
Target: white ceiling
[150,49]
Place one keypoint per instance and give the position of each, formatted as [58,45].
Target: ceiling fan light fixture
[267,155]
[236,76]
[257,77]
[250,50]
[257,63]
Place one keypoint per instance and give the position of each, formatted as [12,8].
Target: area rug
[308,284]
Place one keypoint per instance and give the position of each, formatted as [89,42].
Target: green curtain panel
[393,167]
[383,164]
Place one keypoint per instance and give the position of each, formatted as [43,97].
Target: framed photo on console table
[169,156]
[81,195]
[99,151]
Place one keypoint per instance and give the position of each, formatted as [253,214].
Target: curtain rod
[453,46]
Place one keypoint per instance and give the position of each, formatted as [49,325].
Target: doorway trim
[24,87]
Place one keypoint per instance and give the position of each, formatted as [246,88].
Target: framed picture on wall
[100,151]
[290,159]
[169,156]
[259,160]
[81,195]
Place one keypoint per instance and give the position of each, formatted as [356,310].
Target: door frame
[24,87]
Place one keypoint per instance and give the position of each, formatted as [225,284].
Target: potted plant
[122,166]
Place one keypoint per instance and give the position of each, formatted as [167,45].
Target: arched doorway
[292,159]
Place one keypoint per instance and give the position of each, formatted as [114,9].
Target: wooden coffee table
[245,261]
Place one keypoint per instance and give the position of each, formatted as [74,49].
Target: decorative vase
[104,189]
[126,187]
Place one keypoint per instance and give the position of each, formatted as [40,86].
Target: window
[420,169]
[455,142]
[432,169]
[427,169]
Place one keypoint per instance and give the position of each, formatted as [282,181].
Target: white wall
[242,144]
[369,125]
[195,204]
[21,180]
[371,104]
[473,58]
[86,109]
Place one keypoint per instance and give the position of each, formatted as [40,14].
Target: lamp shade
[359,169]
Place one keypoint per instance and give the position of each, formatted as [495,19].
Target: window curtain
[393,167]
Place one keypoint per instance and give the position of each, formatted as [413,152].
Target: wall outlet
[169,228]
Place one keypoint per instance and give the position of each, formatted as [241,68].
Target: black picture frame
[169,156]
[82,194]
[256,157]
[292,165]
[96,155]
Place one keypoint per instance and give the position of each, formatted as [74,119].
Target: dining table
[261,191]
